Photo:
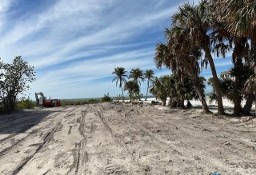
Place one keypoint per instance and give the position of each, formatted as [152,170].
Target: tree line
[133,85]
[161,87]
[198,33]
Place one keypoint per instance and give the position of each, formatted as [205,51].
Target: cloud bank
[75,45]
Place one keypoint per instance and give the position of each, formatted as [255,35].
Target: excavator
[42,101]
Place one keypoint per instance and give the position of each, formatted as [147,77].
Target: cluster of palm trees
[133,85]
[169,86]
[214,27]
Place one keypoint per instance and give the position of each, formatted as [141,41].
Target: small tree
[133,89]
[14,80]
[161,88]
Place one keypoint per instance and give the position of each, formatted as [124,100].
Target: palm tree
[160,88]
[183,59]
[136,75]
[120,75]
[240,20]
[239,16]
[165,57]
[149,75]
[195,21]
[187,60]
[133,89]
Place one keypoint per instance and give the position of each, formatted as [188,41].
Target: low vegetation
[106,98]
[25,103]
[66,102]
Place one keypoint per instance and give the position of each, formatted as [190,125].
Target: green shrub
[106,98]
[25,103]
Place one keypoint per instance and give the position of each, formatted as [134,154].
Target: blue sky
[75,45]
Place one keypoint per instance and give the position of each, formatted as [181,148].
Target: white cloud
[63,16]
[67,31]
[4,7]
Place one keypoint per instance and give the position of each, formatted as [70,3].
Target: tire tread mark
[34,131]
[47,139]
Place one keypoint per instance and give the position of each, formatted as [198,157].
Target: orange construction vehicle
[42,101]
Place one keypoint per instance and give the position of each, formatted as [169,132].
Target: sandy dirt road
[113,138]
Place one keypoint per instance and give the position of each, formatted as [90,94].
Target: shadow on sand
[21,121]
[228,110]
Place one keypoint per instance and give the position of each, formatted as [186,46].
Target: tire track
[142,168]
[179,153]
[28,126]
[159,142]
[194,133]
[46,140]
[4,151]
[82,154]
[79,153]
[35,133]
[184,153]
[51,117]
[132,157]
[28,121]
[116,139]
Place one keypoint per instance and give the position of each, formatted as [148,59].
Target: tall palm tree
[149,75]
[165,57]
[187,60]
[183,59]
[240,19]
[120,75]
[196,22]
[136,75]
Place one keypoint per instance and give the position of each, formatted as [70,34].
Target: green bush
[106,98]
[25,103]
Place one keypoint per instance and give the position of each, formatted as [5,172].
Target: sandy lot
[113,138]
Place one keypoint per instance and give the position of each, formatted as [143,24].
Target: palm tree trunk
[248,105]
[238,87]
[147,92]
[237,105]
[253,40]
[164,101]
[201,97]
[181,102]
[238,68]
[253,46]
[123,93]
[216,82]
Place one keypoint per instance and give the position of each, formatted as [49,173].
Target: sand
[116,138]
